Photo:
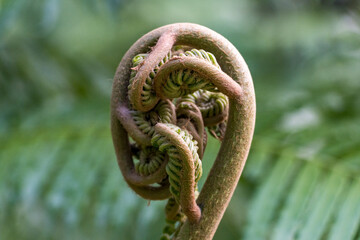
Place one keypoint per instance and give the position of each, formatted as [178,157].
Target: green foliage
[58,173]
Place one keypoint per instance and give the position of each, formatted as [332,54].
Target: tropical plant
[58,173]
[169,140]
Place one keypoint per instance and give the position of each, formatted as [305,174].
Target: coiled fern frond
[176,158]
[164,112]
[164,99]
[213,108]
[147,93]
[150,160]
[185,81]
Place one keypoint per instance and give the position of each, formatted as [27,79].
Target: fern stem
[232,79]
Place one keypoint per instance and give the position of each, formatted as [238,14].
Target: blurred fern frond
[306,190]
[63,181]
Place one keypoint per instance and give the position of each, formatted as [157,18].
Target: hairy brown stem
[235,81]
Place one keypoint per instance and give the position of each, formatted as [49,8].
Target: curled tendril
[185,81]
[162,140]
[213,106]
[189,118]
[147,95]
[218,130]
[150,161]
[174,219]
[164,98]
[164,112]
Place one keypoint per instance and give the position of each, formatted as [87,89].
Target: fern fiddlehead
[213,108]
[185,81]
[164,112]
[164,99]
[147,95]
[150,161]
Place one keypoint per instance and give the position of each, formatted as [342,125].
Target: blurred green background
[58,174]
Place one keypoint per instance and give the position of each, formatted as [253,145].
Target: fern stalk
[190,72]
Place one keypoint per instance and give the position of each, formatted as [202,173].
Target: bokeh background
[58,175]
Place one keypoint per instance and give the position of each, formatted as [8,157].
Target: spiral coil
[183,82]
[148,95]
[150,160]
[198,104]
[174,219]
[213,106]
[174,166]
[167,90]
[163,112]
